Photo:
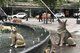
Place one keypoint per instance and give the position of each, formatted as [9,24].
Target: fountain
[36,39]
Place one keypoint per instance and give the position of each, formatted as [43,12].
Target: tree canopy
[4,2]
[50,3]
[1,2]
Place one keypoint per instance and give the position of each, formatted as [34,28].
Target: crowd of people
[45,17]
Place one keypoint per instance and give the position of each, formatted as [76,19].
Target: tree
[50,3]
[1,2]
[59,3]
[4,2]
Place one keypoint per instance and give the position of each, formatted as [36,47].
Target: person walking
[45,17]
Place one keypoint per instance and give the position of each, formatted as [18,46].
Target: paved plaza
[71,26]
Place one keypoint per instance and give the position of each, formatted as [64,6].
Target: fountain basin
[36,39]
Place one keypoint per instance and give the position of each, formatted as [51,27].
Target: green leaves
[50,3]
[1,2]
[4,2]
[59,3]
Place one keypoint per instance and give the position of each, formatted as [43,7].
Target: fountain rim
[29,49]
[34,46]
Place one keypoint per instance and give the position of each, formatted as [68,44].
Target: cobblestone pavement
[71,26]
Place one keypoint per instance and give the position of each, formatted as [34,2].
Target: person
[49,17]
[45,17]
[40,18]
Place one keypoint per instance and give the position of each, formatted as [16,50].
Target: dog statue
[6,28]
[47,50]
[65,36]
[17,39]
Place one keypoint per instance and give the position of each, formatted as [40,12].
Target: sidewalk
[71,24]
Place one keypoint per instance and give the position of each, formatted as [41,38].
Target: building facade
[28,6]
[70,7]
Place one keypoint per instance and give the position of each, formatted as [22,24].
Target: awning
[24,5]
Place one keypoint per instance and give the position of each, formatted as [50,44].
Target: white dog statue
[17,39]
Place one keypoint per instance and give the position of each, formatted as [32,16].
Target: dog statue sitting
[17,39]
[65,36]
[47,50]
